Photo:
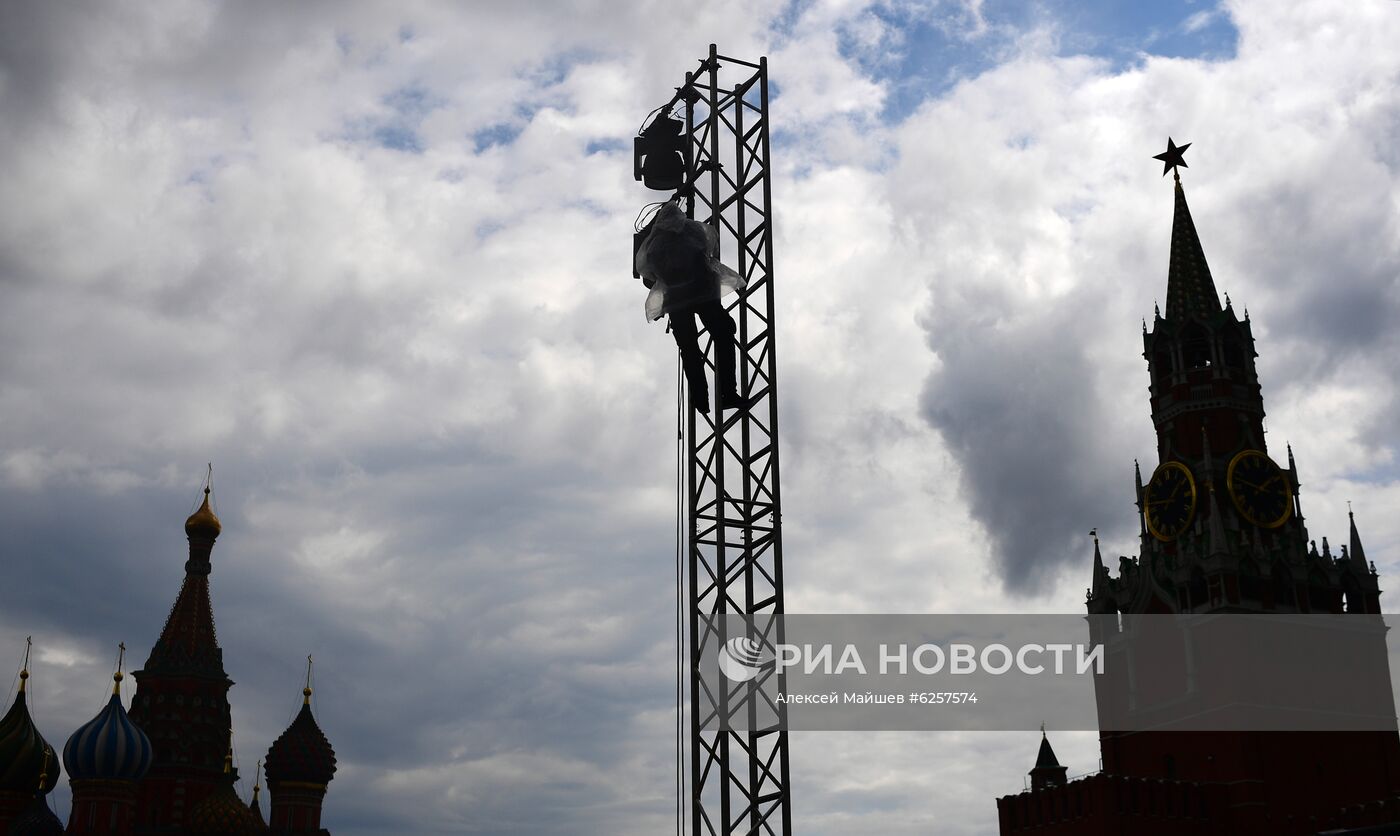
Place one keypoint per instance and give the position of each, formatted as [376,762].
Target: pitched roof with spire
[1356,553]
[1045,758]
[1190,288]
[188,644]
[1047,771]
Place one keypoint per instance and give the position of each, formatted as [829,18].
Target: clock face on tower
[1170,499]
[1260,489]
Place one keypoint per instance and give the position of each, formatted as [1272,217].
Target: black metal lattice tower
[738,779]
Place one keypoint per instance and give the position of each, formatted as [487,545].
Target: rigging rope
[680,598]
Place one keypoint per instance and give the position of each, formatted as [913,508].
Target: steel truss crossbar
[739,779]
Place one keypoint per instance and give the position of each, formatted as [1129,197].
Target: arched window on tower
[1162,363]
[1351,590]
[1195,347]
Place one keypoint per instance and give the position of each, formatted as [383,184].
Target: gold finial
[306,692]
[257,779]
[204,523]
[117,677]
[44,771]
[24,669]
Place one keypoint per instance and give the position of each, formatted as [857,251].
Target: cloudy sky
[372,261]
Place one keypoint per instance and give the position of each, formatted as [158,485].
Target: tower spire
[306,691]
[1047,771]
[187,663]
[188,644]
[1100,570]
[1293,480]
[1355,552]
[1190,288]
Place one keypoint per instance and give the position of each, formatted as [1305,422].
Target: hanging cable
[637,225]
[668,110]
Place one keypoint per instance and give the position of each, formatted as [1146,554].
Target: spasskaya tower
[1222,531]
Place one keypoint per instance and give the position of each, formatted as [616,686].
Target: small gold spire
[306,692]
[117,677]
[257,780]
[24,669]
[44,772]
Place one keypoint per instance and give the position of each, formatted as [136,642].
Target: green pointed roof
[1190,288]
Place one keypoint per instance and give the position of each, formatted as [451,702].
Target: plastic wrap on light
[677,261]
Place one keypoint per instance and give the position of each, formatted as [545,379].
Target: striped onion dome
[36,820]
[108,746]
[23,749]
[223,813]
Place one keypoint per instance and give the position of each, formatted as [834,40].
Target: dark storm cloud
[394,689]
[1018,405]
[1320,271]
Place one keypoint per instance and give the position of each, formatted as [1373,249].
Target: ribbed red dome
[302,753]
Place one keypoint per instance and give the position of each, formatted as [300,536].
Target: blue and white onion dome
[109,746]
